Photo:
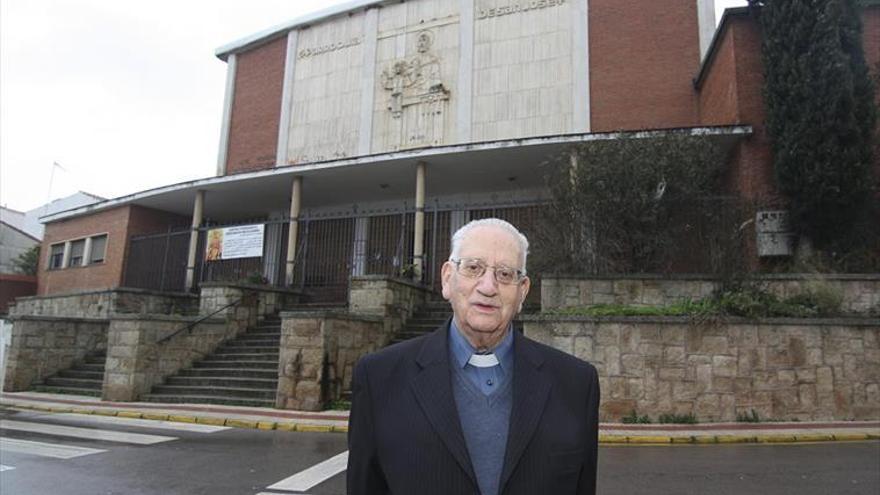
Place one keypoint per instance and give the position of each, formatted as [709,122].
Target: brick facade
[256,108]
[119,224]
[642,58]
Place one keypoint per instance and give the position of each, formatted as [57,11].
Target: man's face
[483,308]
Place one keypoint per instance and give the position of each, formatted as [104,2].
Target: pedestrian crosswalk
[53,436]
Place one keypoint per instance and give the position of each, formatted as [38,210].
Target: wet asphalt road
[236,461]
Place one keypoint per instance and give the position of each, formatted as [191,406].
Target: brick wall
[119,224]
[643,56]
[256,108]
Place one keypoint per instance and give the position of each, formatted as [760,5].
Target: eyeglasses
[475,268]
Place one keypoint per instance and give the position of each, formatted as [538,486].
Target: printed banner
[243,241]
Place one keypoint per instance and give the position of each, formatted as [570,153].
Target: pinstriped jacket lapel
[432,387]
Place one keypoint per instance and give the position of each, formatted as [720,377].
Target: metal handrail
[190,325]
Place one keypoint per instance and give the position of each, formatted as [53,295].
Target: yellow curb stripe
[211,421]
[81,411]
[314,428]
[611,439]
[814,437]
[104,412]
[850,437]
[704,439]
[682,439]
[155,416]
[777,438]
[340,429]
[182,419]
[286,426]
[241,423]
[648,439]
[266,425]
[60,409]
[734,439]
[130,414]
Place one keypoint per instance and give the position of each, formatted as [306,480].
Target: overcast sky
[124,96]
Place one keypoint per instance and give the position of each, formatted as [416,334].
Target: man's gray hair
[462,232]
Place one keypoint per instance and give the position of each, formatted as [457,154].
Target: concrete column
[464,110]
[65,260]
[419,231]
[580,52]
[222,152]
[198,211]
[87,251]
[368,76]
[281,158]
[295,206]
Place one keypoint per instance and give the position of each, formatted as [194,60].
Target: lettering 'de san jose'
[514,8]
[331,47]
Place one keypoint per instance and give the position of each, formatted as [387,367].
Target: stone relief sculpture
[417,98]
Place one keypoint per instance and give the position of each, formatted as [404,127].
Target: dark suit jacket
[405,436]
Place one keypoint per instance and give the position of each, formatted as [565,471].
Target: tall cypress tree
[820,112]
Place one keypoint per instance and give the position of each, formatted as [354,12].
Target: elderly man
[475,407]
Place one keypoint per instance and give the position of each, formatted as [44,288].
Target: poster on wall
[243,241]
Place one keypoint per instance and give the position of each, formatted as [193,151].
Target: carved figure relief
[417,97]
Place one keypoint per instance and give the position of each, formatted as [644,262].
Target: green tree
[821,113]
[28,261]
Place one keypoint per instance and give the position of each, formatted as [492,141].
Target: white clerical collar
[483,360]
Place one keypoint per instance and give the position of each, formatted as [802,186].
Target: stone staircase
[434,313]
[84,378]
[242,372]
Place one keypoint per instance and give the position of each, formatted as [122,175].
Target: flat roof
[384,176]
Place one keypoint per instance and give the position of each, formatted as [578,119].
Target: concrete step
[246,357]
[202,399]
[234,393]
[78,383]
[268,374]
[236,348]
[257,364]
[261,336]
[99,359]
[68,390]
[224,382]
[90,367]
[81,374]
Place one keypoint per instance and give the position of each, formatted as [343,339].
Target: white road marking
[93,434]
[5,468]
[145,423]
[305,480]
[45,449]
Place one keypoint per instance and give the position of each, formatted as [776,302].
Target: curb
[606,439]
[177,418]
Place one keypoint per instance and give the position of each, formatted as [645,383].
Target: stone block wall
[861,293]
[137,360]
[42,346]
[318,353]
[392,298]
[258,301]
[782,368]
[101,304]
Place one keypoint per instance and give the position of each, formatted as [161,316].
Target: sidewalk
[337,421]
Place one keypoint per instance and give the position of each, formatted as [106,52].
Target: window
[99,249]
[77,249]
[56,256]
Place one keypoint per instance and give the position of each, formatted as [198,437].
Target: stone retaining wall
[781,368]
[42,346]
[318,353]
[136,360]
[394,299]
[102,304]
[861,293]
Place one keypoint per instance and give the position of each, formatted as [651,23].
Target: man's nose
[486,284]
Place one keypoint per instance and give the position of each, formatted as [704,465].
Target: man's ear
[526,285]
[446,280]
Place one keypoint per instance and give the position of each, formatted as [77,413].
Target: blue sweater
[484,421]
